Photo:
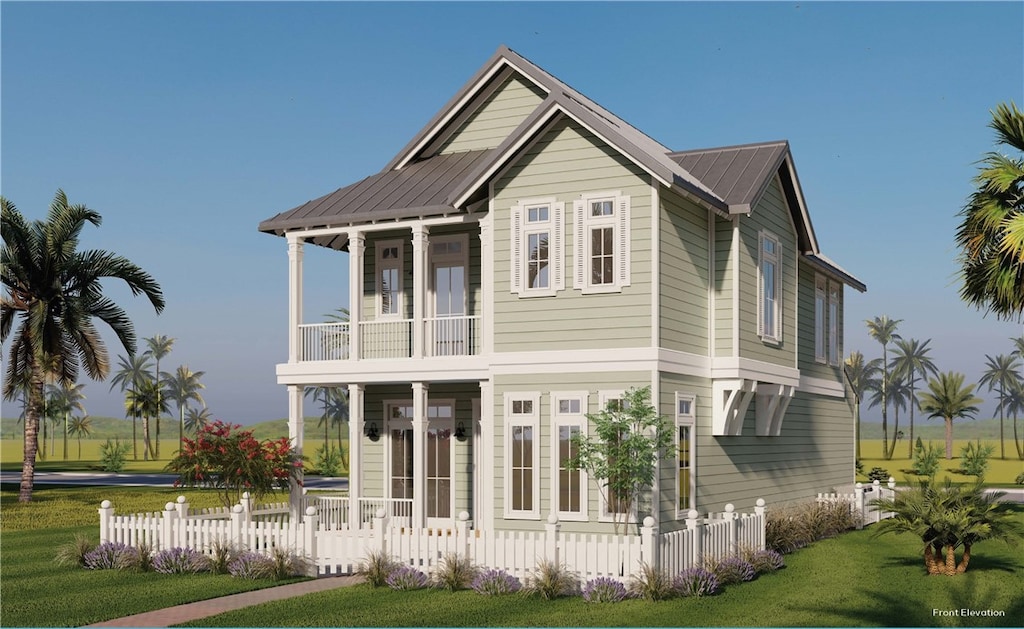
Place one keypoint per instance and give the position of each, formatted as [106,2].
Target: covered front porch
[415,450]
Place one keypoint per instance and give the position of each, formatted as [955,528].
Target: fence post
[237,517]
[246,503]
[876,486]
[379,523]
[551,539]
[462,533]
[182,507]
[730,517]
[858,504]
[761,511]
[167,529]
[693,523]
[309,540]
[106,513]
[649,544]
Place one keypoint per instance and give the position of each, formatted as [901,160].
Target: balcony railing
[391,338]
[333,511]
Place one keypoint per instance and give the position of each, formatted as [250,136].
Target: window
[602,253]
[389,278]
[537,258]
[834,350]
[570,486]
[685,439]
[522,455]
[769,289]
[820,331]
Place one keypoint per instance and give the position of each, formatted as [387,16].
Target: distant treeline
[103,428]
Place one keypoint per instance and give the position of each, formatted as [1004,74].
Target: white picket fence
[860,501]
[339,551]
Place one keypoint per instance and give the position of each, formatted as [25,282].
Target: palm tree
[1015,406]
[183,387]
[65,398]
[159,346]
[131,371]
[196,419]
[883,330]
[910,359]
[145,401]
[897,391]
[947,397]
[857,374]
[1000,372]
[80,427]
[336,409]
[991,233]
[56,292]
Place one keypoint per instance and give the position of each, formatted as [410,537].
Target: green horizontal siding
[496,117]
[567,162]
[684,274]
[723,288]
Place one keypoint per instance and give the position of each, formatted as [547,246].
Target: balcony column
[420,247]
[356,263]
[355,453]
[295,415]
[419,452]
[294,297]
[486,275]
[483,454]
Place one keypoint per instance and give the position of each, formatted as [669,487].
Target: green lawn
[851,580]
[1001,472]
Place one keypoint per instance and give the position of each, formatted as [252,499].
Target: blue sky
[185,124]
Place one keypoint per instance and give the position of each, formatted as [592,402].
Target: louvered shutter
[760,284]
[779,301]
[515,263]
[557,252]
[624,253]
[579,253]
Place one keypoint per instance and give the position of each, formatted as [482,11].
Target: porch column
[294,296]
[420,245]
[486,279]
[295,435]
[356,262]
[419,451]
[483,453]
[355,449]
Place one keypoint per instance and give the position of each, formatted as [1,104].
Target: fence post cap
[169,506]
[876,482]
[759,503]
[245,495]
[105,504]
[692,514]
[859,485]
[236,509]
[463,516]
[552,519]
[649,522]
[310,510]
[181,500]
[380,512]
[729,508]
[892,480]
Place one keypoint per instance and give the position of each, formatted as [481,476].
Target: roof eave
[827,266]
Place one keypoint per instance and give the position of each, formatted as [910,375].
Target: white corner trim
[655,264]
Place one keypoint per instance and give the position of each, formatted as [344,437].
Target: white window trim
[461,258]
[821,326]
[687,421]
[532,420]
[834,337]
[381,264]
[578,420]
[521,229]
[583,223]
[407,424]
[774,336]
[604,515]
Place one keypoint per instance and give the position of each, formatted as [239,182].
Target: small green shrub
[696,582]
[377,567]
[328,461]
[73,553]
[650,584]
[792,527]
[221,556]
[879,474]
[114,455]
[731,570]
[859,466]
[1020,479]
[975,459]
[550,580]
[453,573]
[144,561]
[251,565]
[926,460]
[285,564]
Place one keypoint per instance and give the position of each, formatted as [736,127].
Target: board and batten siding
[593,384]
[772,214]
[566,162]
[684,274]
[497,116]
[808,365]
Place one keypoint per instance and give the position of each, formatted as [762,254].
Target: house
[526,258]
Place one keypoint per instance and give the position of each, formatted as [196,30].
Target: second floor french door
[448,331]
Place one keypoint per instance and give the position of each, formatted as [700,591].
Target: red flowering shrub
[230,460]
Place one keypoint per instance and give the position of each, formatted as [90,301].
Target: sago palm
[991,232]
[182,388]
[159,346]
[1000,372]
[883,330]
[910,360]
[130,372]
[56,292]
[947,397]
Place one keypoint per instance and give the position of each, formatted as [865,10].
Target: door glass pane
[401,463]
[439,470]
[568,479]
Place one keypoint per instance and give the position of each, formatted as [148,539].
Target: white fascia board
[382,371]
[584,360]
[732,367]
[457,219]
[821,386]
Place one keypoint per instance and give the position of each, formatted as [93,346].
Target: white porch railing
[386,338]
[391,338]
[452,336]
[860,501]
[324,341]
[333,511]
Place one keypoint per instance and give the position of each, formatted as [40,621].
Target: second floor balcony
[456,335]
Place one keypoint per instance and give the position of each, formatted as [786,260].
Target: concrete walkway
[203,609]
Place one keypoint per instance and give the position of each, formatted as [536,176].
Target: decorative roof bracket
[731,398]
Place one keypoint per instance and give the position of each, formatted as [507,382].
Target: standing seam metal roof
[738,174]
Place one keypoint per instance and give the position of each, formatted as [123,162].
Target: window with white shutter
[601,256]
[537,252]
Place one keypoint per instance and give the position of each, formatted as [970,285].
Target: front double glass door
[438,502]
